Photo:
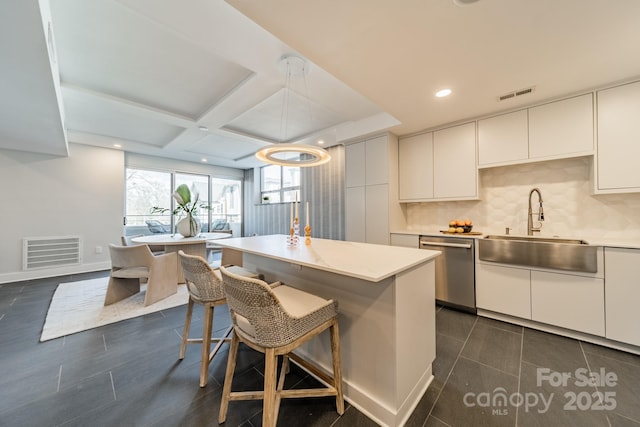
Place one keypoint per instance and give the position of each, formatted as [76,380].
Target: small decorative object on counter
[307,229]
[460,226]
[294,229]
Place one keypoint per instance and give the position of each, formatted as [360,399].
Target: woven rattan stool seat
[275,319]
[206,288]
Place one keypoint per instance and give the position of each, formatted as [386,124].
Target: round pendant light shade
[291,154]
[298,155]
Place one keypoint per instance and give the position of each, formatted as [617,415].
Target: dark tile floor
[127,374]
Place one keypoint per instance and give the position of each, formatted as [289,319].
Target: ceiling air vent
[515,93]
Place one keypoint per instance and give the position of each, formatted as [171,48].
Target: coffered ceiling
[188,80]
[200,79]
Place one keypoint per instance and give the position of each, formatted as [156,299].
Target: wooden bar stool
[275,319]
[205,287]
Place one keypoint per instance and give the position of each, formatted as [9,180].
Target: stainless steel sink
[554,253]
[539,239]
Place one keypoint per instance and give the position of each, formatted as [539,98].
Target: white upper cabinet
[439,165]
[355,205]
[371,181]
[415,178]
[503,139]
[376,219]
[455,172]
[377,161]
[562,128]
[550,131]
[354,165]
[618,146]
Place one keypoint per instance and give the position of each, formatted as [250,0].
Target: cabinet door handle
[447,245]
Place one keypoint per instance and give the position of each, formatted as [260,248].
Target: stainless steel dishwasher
[455,271]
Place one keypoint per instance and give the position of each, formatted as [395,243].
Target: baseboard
[20,276]
[594,339]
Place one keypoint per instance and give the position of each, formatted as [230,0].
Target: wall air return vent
[515,93]
[47,252]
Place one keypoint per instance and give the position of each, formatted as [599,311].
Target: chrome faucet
[530,228]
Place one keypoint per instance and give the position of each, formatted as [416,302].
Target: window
[279,184]
[146,189]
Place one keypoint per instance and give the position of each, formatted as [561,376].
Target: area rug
[78,306]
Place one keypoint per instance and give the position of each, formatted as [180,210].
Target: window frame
[211,183]
[282,190]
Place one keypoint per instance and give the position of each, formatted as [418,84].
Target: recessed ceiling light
[203,160]
[117,145]
[203,128]
[320,142]
[442,93]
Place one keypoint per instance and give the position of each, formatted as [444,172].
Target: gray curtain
[322,186]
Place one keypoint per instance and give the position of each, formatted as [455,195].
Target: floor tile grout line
[596,387]
[636,365]
[520,373]
[113,387]
[488,366]
[501,329]
[447,424]
[59,379]
[452,367]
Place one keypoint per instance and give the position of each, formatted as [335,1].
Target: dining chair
[275,319]
[128,241]
[131,264]
[205,287]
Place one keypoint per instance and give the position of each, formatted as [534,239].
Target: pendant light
[284,154]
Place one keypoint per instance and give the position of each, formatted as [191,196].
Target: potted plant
[189,225]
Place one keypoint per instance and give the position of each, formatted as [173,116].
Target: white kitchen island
[386,299]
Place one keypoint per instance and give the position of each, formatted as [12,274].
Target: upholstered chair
[131,264]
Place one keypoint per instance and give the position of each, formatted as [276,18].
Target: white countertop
[361,260]
[616,242]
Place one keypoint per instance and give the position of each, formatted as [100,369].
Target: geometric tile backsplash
[570,208]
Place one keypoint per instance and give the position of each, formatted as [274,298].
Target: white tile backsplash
[569,207]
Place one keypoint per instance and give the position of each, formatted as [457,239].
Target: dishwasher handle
[447,245]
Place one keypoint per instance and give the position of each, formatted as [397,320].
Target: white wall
[82,194]
[57,196]
[570,208]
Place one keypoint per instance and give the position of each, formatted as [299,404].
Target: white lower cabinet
[622,294]
[504,290]
[568,301]
[571,301]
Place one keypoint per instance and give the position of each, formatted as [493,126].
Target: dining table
[174,242]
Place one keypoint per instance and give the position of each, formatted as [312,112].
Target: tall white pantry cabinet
[371,189]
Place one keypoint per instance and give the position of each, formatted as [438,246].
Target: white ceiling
[146,74]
